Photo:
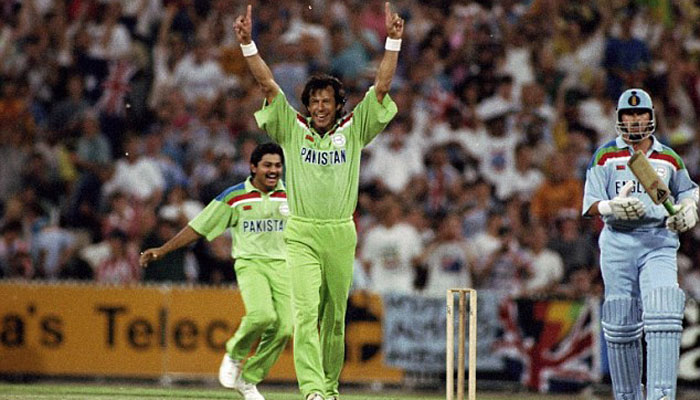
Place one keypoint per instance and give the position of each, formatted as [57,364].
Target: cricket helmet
[634,100]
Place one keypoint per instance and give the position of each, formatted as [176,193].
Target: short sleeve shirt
[256,219]
[323,171]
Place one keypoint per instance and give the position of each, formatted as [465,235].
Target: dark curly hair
[261,150]
[322,81]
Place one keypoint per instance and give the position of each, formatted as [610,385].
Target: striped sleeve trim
[233,191]
[342,124]
[670,156]
[252,196]
[280,195]
[302,120]
[607,152]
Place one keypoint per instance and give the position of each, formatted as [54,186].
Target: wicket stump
[460,345]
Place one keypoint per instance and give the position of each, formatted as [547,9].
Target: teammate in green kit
[323,163]
[256,210]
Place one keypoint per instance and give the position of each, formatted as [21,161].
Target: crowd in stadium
[121,119]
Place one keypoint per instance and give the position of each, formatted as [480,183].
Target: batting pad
[622,326]
[663,325]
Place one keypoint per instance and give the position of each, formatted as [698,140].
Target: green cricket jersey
[323,171]
[256,220]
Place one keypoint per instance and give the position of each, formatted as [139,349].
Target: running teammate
[256,211]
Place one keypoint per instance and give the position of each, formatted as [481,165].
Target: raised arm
[244,33]
[394,28]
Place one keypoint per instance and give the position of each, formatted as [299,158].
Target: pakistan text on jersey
[263,225]
[323,157]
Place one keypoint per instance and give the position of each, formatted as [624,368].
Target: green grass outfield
[41,391]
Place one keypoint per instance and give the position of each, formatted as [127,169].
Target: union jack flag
[116,86]
[555,342]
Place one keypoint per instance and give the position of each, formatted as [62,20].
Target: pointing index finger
[249,12]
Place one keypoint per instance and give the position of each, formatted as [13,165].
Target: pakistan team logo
[338,140]
[284,209]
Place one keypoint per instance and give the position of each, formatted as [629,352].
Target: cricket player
[638,252]
[323,162]
[256,210]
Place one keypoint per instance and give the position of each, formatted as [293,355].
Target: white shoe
[314,396]
[229,371]
[248,390]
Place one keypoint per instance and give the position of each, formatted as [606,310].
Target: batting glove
[623,207]
[685,218]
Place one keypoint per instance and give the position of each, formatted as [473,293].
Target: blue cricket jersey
[608,172]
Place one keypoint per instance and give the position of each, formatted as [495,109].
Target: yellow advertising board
[142,331]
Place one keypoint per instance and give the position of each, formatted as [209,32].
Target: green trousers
[320,256]
[264,286]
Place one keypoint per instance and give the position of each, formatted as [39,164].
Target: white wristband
[392,44]
[604,207]
[249,49]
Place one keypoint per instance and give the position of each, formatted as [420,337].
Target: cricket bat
[650,180]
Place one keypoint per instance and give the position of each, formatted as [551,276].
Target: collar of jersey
[338,123]
[317,133]
[249,187]
[655,144]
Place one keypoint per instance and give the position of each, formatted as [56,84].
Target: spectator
[169,50]
[545,269]
[199,76]
[122,215]
[576,249]
[93,148]
[559,192]
[109,39]
[44,181]
[14,252]
[66,115]
[83,205]
[394,150]
[524,179]
[454,131]
[449,259]
[505,266]
[349,57]
[225,177]
[179,207]
[389,250]
[627,59]
[583,282]
[53,249]
[136,176]
[476,211]
[495,150]
[440,176]
[595,109]
[120,265]
[172,267]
